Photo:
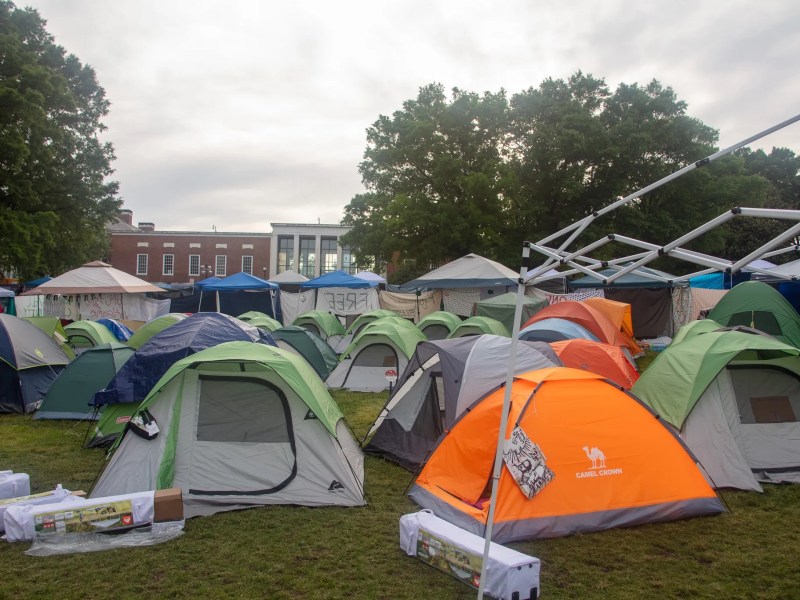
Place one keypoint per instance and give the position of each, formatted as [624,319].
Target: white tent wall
[133,307]
[203,465]
[293,305]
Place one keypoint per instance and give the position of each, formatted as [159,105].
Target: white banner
[90,307]
[347,301]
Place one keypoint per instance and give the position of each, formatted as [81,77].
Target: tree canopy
[55,196]
[446,176]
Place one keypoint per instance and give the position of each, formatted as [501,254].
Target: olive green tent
[324,324]
[261,320]
[52,326]
[501,308]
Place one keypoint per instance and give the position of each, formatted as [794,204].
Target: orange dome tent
[614,463]
[603,359]
[586,316]
[619,313]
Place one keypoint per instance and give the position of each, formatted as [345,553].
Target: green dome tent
[693,328]
[735,397]
[52,326]
[479,326]
[241,425]
[376,355]
[758,305]
[85,334]
[324,324]
[438,325]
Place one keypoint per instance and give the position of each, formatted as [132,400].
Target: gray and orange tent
[615,464]
[604,359]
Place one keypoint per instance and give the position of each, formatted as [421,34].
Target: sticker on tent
[526,463]
[391,375]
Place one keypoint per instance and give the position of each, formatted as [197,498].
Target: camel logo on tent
[598,468]
[335,486]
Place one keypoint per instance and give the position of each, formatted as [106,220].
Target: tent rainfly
[439,325]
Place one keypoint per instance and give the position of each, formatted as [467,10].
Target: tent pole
[501,434]
[217,300]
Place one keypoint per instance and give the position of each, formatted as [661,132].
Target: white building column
[296,250]
[317,255]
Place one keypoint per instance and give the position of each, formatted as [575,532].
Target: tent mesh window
[768,395]
[251,411]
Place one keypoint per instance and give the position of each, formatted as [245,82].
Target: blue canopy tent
[244,282]
[338,279]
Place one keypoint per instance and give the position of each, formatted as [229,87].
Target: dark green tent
[501,308]
[70,395]
[310,346]
[760,306]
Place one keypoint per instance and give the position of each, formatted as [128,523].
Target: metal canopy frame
[581,263]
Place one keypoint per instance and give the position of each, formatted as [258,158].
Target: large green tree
[55,196]
[483,173]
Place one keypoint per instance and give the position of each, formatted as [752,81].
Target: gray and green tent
[310,346]
[241,425]
[735,397]
[693,328]
[760,306]
[153,327]
[376,356]
[501,308]
[70,395]
[369,317]
[438,325]
[480,326]
[30,360]
[86,334]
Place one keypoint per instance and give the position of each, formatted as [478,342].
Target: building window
[329,261]
[222,262]
[307,256]
[169,264]
[285,253]
[247,265]
[348,264]
[141,264]
[194,265]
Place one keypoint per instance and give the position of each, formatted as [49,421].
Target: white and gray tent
[241,425]
[442,380]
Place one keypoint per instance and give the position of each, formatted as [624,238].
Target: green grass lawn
[296,552]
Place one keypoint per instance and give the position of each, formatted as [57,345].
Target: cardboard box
[168,505]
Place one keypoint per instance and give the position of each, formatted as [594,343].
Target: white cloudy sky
[241,113]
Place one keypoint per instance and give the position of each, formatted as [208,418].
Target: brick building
[190,256]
